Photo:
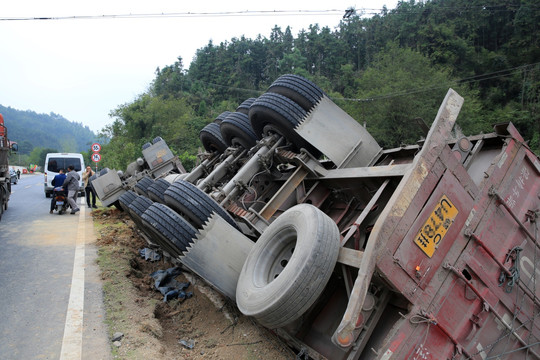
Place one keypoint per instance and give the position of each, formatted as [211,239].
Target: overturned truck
[347,250]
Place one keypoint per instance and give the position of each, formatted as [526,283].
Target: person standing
[72,185]
[88,189]
[18,173]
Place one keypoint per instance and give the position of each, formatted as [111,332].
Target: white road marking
[73,330]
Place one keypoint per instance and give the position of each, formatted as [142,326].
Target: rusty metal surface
[396,207]
[470,307]
[283,193]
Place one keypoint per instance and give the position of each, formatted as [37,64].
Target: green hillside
[31,130]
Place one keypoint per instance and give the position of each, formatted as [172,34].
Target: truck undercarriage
[347,250]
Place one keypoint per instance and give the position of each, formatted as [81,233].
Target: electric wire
[471,79]
[244,13]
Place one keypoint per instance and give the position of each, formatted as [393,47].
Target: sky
[87,63]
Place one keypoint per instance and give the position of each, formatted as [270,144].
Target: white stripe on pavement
[73,330]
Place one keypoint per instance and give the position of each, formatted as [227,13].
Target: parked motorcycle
[60,198]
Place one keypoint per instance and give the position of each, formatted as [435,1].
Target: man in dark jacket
[57,182]
[72,185]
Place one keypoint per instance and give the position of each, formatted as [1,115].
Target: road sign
[96,157]
[96,147]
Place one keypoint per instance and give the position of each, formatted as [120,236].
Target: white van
[56,161]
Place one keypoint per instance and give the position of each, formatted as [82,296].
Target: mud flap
[338,136]
[218,254]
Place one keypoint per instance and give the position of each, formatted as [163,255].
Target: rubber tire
[222,117]
[137,208]
[299,89]
[281,115]
[177,232]
[244,106]
[139,205]
[127,198]
[142,186]
[136,211]
[157,189]
[159,239]
[194,204]
[277,295]
[117,205]
[236,131]
[211,138]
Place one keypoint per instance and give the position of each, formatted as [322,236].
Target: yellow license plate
[436,226]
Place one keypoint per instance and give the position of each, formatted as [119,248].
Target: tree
[401,86]
[25,147]
[38,155]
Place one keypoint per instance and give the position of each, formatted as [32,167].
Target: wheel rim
[270,129]
[279,254]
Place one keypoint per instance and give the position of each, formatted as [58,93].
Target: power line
[472,79]
[244,13]
[346,14]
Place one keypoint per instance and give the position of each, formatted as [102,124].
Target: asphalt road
[50,291]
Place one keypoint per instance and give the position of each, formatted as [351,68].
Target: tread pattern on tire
[281,113]
[136,211]
[127,198]
[211,138]
[139,205]
[244,106]
[279,106]
[142,185]
[157,189]
[237,125]
[221,117]
[298,89]
[171,225]
[187,199]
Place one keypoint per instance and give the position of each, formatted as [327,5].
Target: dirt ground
[154,329]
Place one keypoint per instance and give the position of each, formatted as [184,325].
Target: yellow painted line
[73,330]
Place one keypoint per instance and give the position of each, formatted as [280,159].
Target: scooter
[60,198]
